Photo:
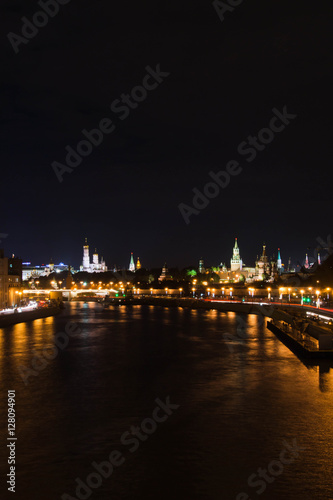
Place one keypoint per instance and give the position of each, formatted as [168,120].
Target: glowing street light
[269,293]
[302,292]
[193,290]
[328,293]
[289,290]
[180,292]
[318,300]
[166,291]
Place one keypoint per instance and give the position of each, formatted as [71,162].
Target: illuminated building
[237,271]
[95,266]
[279,262]
[132,265]
[138,263]
[34,272]
[265,268]
[10,282]
[236,263]
[201,266]
[165,274]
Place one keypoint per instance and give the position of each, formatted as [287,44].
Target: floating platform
[300,346]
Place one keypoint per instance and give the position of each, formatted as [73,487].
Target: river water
[238,399]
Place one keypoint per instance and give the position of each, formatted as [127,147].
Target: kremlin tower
[132,265]
[236,263]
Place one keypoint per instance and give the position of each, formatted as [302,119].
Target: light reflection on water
[238,402]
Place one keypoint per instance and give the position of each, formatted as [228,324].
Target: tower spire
[279,261]
[132,265]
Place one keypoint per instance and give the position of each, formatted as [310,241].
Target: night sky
[224,80]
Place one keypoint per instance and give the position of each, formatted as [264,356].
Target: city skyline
[323,248]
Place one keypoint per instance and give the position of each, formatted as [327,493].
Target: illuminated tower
[86,258]
[95,257]
[319,261]
[306,265]
[138,264]
[235,261]
[132,265]
[165,274]
[201,266]
[279,262]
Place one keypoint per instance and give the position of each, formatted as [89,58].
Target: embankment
[23,317]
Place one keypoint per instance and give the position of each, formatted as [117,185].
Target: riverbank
[23,317]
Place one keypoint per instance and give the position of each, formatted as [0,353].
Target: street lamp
[180,292]
[281,294]
[193,290]
[269,293]
[213,292]
[328,296]
[230,292]
[151,291]
[166,291]
[289,290]
[302,291]
[318,301]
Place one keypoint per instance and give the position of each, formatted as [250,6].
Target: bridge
[69,294]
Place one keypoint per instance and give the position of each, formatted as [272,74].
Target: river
[234,398]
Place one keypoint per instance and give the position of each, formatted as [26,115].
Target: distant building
[279,262]
[236,263]
[10,284]
[96,266]
[201,266]
[34,272]
[165,274]
[15,266]
[237,271]
[131,265]
[266,268]
[138,264]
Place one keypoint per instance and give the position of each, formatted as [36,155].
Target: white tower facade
[95,266]
[95,257]
[132,265]
[236,263]
[86,258]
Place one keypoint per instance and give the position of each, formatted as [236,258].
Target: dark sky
[225,79]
